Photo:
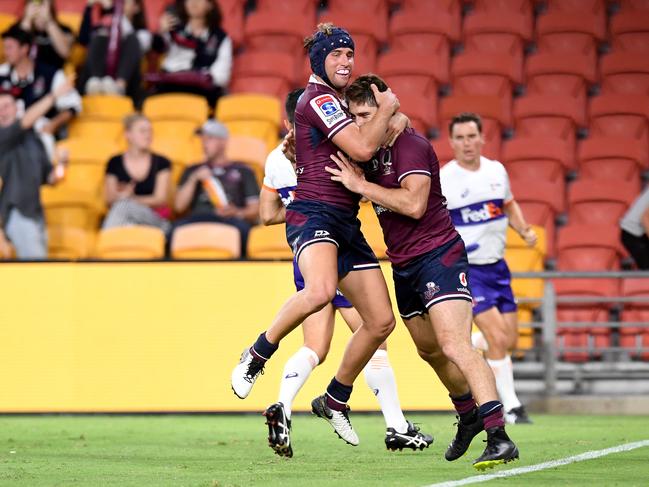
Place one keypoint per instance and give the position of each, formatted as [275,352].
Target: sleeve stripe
[337,129]
[414,171]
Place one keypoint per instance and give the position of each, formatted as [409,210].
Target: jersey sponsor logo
[477,213]
[290,375]
[328,109]
[287,195]
[463,279]
[321,233]
[431,290]
[463,290]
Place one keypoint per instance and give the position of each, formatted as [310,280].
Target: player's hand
[348,173]
[385,99]
[288,145]
[530,237]
[398,123]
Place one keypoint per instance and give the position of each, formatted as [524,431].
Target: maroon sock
[492,414]
[465,406]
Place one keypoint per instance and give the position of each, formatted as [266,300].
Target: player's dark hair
[360,91]
[465,117]
[291,103]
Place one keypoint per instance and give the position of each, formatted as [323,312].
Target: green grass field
[231,450]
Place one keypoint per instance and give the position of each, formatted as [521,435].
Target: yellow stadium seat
[371,229]
[108,130]
[249,107]
[70,208]
[206,241]
[248,150]
[6,21]
[176,106]
[69,243]
[263,131]
[136,242]
[521,258]
[268,243]
[84,150]
[106,107]
[179,151]
[88,178]
[71,19]
[176,129]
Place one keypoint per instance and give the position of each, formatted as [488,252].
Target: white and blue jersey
[476,200]
[280,177]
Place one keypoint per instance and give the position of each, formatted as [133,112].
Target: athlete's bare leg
[318,330]
[493,326]
[367,291]
[423,336]
[511,321]
[319,266]
[354,322]
[451,321]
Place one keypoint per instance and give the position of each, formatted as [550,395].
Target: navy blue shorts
[492,287]
[431,278]
[310,222]
[339,301]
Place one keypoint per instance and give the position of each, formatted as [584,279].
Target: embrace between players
[337,124]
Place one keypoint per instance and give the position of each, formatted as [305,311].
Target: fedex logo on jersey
[327,107]
[477,213]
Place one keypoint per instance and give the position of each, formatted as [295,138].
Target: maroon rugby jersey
[405,237]
[319,116]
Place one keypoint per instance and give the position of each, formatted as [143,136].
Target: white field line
[589,455]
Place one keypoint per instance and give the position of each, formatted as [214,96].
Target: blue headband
[323,44]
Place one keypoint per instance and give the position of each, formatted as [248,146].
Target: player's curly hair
[360,91]
[325,27]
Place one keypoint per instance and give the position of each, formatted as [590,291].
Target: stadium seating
[630,30]
[276,30]
[418,29]
[490,108]
[180,150]
[541,202]
[69,243]
[625,72]
[507,31]
[249,150]
[634,338]
[106,107]
[254,115]
[588,248]
[232,12]
[88,128]
[612,157]
[71,208]
[268,242]
[404,69]
[306,8]
[566,73]
[268,72]
[206,241]
[176,106]
[540,158]
[593,201]
[136,242]
[522,258]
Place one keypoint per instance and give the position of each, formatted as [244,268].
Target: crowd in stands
[559,123]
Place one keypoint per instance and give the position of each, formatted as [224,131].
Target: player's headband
[323,44]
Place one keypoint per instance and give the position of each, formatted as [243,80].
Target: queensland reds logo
[463,279]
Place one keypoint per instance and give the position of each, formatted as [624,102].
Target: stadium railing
[550,369]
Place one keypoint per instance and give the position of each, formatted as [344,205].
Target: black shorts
[431,278]
[309,222]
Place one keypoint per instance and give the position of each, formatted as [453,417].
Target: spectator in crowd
[135,41]
[137,185]
[53,41]
[218,190]
[24,167]
[198,51]
[635,230]
[29,81]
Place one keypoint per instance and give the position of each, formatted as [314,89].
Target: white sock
[504,373]
[479,342]
[380,378]
[296,371]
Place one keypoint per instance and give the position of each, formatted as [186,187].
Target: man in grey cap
[218,190]
[635,230]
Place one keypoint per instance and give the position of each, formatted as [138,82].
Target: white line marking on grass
[589,455]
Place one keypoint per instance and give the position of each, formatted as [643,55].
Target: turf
[232,450]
